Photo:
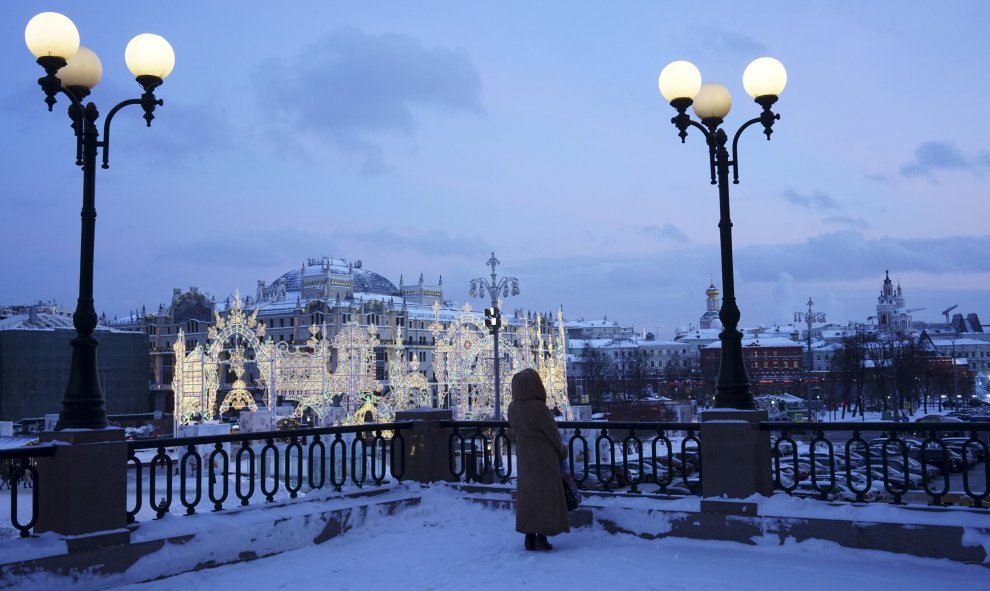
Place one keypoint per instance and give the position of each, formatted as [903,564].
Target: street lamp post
[680,83]
[810,317]
[73,71]
[479,287]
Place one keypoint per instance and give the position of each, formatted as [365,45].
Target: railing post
[84,485]
[735,454]
[426,444]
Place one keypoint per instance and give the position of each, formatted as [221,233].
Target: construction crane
[946,311]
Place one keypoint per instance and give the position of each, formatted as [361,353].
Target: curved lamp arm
[682,121]
[147,101]
[51,85]
[767,118]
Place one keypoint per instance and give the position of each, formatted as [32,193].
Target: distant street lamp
[810,317]
[73,71]
[680,83]
[493,315]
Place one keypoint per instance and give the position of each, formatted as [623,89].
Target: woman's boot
[530,542]
[542,543]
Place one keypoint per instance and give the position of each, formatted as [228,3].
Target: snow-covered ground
[450,543]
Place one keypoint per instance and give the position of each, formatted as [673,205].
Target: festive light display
[408,387]
[242,332]
[298,375]
[463,363]
[354,376]
[194,383]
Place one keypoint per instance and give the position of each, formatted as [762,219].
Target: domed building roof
[364,281]
[327,278]
[191,305]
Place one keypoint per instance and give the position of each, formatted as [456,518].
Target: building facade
[35,357]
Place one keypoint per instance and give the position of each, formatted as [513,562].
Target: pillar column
[735,454]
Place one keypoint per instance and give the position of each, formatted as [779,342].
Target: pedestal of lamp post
[735,454]
[427,455]
[84,485]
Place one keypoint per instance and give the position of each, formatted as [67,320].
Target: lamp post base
[82,406]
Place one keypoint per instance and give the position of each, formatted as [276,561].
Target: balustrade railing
[18,475]
[263,462]
[602,456]
[933,463]
[869,462]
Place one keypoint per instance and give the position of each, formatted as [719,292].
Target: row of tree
[876,372]
[604,380]
[889,372]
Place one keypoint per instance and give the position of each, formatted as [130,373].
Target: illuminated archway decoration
[194,382]
[246,333]
[353,378]
[302,376]
[361,415]
[551,363]
[463,363]
[408,387]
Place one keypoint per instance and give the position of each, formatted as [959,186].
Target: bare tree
[847,367]
[598,371]
[633,373]
[880,353]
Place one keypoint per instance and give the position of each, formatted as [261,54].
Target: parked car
[956,445]
[833,491]
[612,479]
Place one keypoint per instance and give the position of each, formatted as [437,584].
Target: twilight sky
[418,137]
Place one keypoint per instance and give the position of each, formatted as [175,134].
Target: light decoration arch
[353,378]
[463,363]
[408,387]
[246,332]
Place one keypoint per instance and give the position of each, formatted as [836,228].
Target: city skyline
[420,140]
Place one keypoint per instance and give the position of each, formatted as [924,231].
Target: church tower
[892,312]
[712,305]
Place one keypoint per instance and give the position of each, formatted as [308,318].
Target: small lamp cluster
[680,83]
[54,41]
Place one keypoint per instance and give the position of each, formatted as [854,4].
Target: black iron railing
[17,472]
[602,456]
[311,458]
[866,462]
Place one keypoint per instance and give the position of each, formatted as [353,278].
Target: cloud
[350,87]
[821,202]
[666,232]
[255,250]
[817,201]
[721,41]
[847,254]
[433,242]
[880,177]
[934,156]
[180,132]
[847,221]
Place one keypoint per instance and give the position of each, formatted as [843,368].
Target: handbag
[572,495]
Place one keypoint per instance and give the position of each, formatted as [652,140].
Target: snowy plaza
[446,542]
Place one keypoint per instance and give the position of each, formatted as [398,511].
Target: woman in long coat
[541,510]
